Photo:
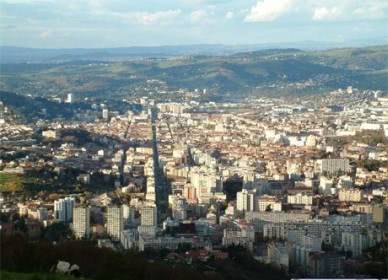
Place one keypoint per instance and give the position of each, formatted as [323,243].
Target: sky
[121,23]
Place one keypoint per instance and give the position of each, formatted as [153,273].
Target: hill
[31,108]
[283,70]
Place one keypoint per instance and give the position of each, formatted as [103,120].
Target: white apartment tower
[69,98]
[63,209]
[105,114]
[81,222]
[114,221]
[128,214]
[245,200]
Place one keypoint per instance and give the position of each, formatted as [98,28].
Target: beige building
[380,214]
[114,222]
[268,202]
[300,198]
[350,195]
[81,222]
[148,216]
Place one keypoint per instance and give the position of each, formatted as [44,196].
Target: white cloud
[371,10]
[324,13]
[198,16]
[229,15]
[350,10]
[149,18]
[203,2]
[320,10]
[27,1]
[45,34]
[96,4]
[268,10]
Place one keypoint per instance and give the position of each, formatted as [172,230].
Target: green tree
[58,232]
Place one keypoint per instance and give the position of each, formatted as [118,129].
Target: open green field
[10,182]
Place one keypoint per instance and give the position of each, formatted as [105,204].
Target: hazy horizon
[303,45]
[114,24]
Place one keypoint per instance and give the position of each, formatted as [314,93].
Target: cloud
[324,13]
[268,10]
[45,34]
[229,15]
[149,18]
[123,22]
[321,10]
[198,16]
[27,1]
[350,10]
[371,10]
[203,2]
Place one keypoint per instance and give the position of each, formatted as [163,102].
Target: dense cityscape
[299,184]
[193,139]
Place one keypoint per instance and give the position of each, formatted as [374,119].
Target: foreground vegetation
[6,275]
[20,255]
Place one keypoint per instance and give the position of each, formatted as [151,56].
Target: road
[162,187]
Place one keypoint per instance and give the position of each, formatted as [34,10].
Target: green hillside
[284,69]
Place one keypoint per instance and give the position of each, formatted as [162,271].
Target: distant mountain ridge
[11,54]
[250,72]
